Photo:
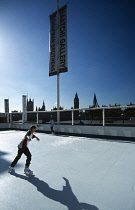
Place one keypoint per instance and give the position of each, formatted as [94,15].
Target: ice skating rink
[73,173]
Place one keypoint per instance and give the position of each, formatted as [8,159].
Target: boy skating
[23,149]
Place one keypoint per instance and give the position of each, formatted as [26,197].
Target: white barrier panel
[97,130]
[4,125]
[77,129]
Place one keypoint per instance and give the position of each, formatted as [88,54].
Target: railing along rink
[85,111]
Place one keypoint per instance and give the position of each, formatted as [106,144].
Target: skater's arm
[30,136]
[36,137]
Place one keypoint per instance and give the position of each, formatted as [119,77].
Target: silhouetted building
[76,101]
[30,105]
[115,105]
[55,108]
[130,104]
[95,102]
[16,116]
[76,106]
[42,108]
[130,112]
[3,118]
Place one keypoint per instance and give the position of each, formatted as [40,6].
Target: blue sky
[101,52]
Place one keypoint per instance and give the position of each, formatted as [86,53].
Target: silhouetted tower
[76,101]
[30,105]
[95,102]
[43,106]
[76,106]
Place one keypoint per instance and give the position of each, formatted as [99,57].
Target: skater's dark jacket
[25,140]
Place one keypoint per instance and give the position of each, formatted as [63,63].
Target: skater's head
[33,128]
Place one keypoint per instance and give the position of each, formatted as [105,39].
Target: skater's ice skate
[27,171]
[11,170]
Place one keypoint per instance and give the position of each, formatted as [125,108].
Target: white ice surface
[100,174]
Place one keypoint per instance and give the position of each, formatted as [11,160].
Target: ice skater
[23,149]
[52,124]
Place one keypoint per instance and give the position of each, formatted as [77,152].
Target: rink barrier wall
[4,126]
[107,132]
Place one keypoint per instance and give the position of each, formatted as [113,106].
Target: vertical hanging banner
[24,108]
[62,39]
[58,42]
[53,45]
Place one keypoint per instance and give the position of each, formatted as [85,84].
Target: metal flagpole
[58,75]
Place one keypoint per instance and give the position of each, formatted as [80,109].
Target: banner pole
[58,75]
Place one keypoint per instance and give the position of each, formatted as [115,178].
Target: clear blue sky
[101,52]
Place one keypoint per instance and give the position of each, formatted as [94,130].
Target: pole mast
[58,75]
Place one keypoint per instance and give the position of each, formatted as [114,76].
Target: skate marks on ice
[65,197]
